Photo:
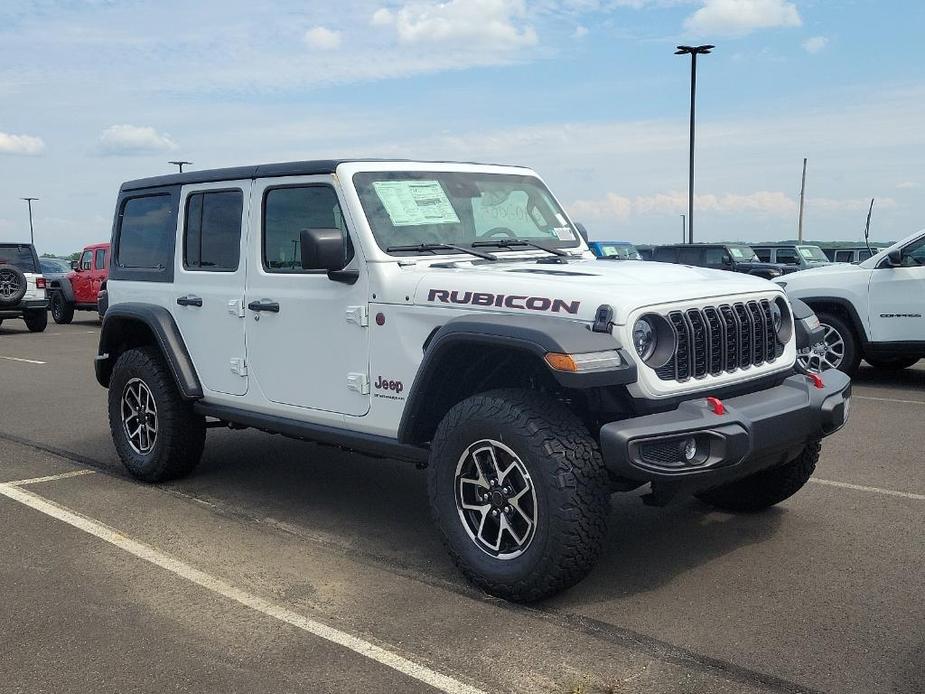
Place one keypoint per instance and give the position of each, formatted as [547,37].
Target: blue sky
[589,92]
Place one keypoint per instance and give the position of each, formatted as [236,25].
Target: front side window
[289,210]
[86,260]
[100,260]
[212,241]
[409,208]
[714,257]
[146,227]
[764,254]
[787,256]
[914,254]
[18,255]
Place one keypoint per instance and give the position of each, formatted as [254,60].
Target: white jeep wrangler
[452,316]
[872,311]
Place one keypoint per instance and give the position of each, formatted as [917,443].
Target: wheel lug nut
[494,512]
[508,510]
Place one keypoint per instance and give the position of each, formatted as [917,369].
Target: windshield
[813,253]
[18,255]
[627,251]
[413,207]
[743,254]
[51,265]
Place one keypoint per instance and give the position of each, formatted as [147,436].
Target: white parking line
[369,650]
[876,490]
[24,361]
[51,478]
[871,397]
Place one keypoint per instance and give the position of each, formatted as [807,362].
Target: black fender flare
[63,286]
[130,325]
[533,335]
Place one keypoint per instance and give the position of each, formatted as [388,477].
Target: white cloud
[815,44]
[580,32]
[133,139]
[739,17]
[322,39]
[25,145]
[908,185]
[493,24]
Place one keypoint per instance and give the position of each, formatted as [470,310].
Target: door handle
[189,301]
[264,305]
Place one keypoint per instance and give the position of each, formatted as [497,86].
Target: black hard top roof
[705,244]
[290,168]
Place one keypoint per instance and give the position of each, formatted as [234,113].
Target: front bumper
[758,430]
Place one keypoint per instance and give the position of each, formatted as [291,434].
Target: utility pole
[693,51]
[31,229]
[180,164]
[683,229]
[802,198]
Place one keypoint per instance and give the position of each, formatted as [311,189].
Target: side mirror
[326,249]
[75,265]
[582,231]
[727,260]
[895,258]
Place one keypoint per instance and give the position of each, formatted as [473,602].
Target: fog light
[689,447]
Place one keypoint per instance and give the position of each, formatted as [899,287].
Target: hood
[575,289]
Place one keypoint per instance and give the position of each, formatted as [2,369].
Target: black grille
[721,339]
[670,452]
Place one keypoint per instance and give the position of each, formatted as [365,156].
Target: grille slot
[721,339]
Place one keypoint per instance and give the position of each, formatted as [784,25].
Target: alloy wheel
[139,416]
[496,499]
[828,354]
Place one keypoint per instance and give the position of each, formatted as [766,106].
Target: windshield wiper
[510,243]
[423,247]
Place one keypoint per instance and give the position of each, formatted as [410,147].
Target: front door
[209,281]
[307,343]
[83,292]
[897,298]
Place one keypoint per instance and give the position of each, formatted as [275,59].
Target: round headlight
[777,317]
[645,339]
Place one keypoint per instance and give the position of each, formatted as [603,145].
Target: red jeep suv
[79,289]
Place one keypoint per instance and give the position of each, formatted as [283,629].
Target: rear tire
[548,521]
[157,434]
[768,487]
[36,320]
[892,363]
[62,310]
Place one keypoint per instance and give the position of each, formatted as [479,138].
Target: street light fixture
[693,51]
[180,164]
[31,229]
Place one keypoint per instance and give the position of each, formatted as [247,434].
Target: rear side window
[100,262]
[691,256]
[213,231]
[665,255]
[764,254]
[145,231]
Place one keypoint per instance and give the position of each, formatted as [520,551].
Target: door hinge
[358,383]
[236,308]
[239,366]
[358,315]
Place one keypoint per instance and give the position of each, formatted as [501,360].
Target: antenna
[867,227]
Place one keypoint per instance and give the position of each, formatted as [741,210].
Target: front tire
[519,492]
[36,321]
[157,434]
[62,310]
[768,487]
[842,351]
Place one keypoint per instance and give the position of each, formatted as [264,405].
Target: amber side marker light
[584,363]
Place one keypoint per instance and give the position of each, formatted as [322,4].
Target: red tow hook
[816,379]
[716,405]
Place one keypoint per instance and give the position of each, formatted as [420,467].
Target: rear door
[897,298]
[209,281]
[99,272]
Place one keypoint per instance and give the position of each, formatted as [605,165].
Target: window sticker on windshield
[807,253]
[737,252]
[413,203]
[564,234]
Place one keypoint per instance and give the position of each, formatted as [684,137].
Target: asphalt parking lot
[281,566]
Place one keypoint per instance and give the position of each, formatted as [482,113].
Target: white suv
[452,316]
[22,286]
[872,311]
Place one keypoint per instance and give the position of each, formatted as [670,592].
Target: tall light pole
[683,229]
[180,164]
[693,51]
[31,229]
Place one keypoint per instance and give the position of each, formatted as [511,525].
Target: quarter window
[213,231]
[146,228]
[286,212]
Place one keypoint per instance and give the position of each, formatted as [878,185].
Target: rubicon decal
[525,303]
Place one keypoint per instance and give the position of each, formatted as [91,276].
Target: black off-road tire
[36,320]
[181,433]
[12,274]
[768,487]
[892,364]
[62,310]
[568,477]
[852,355]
